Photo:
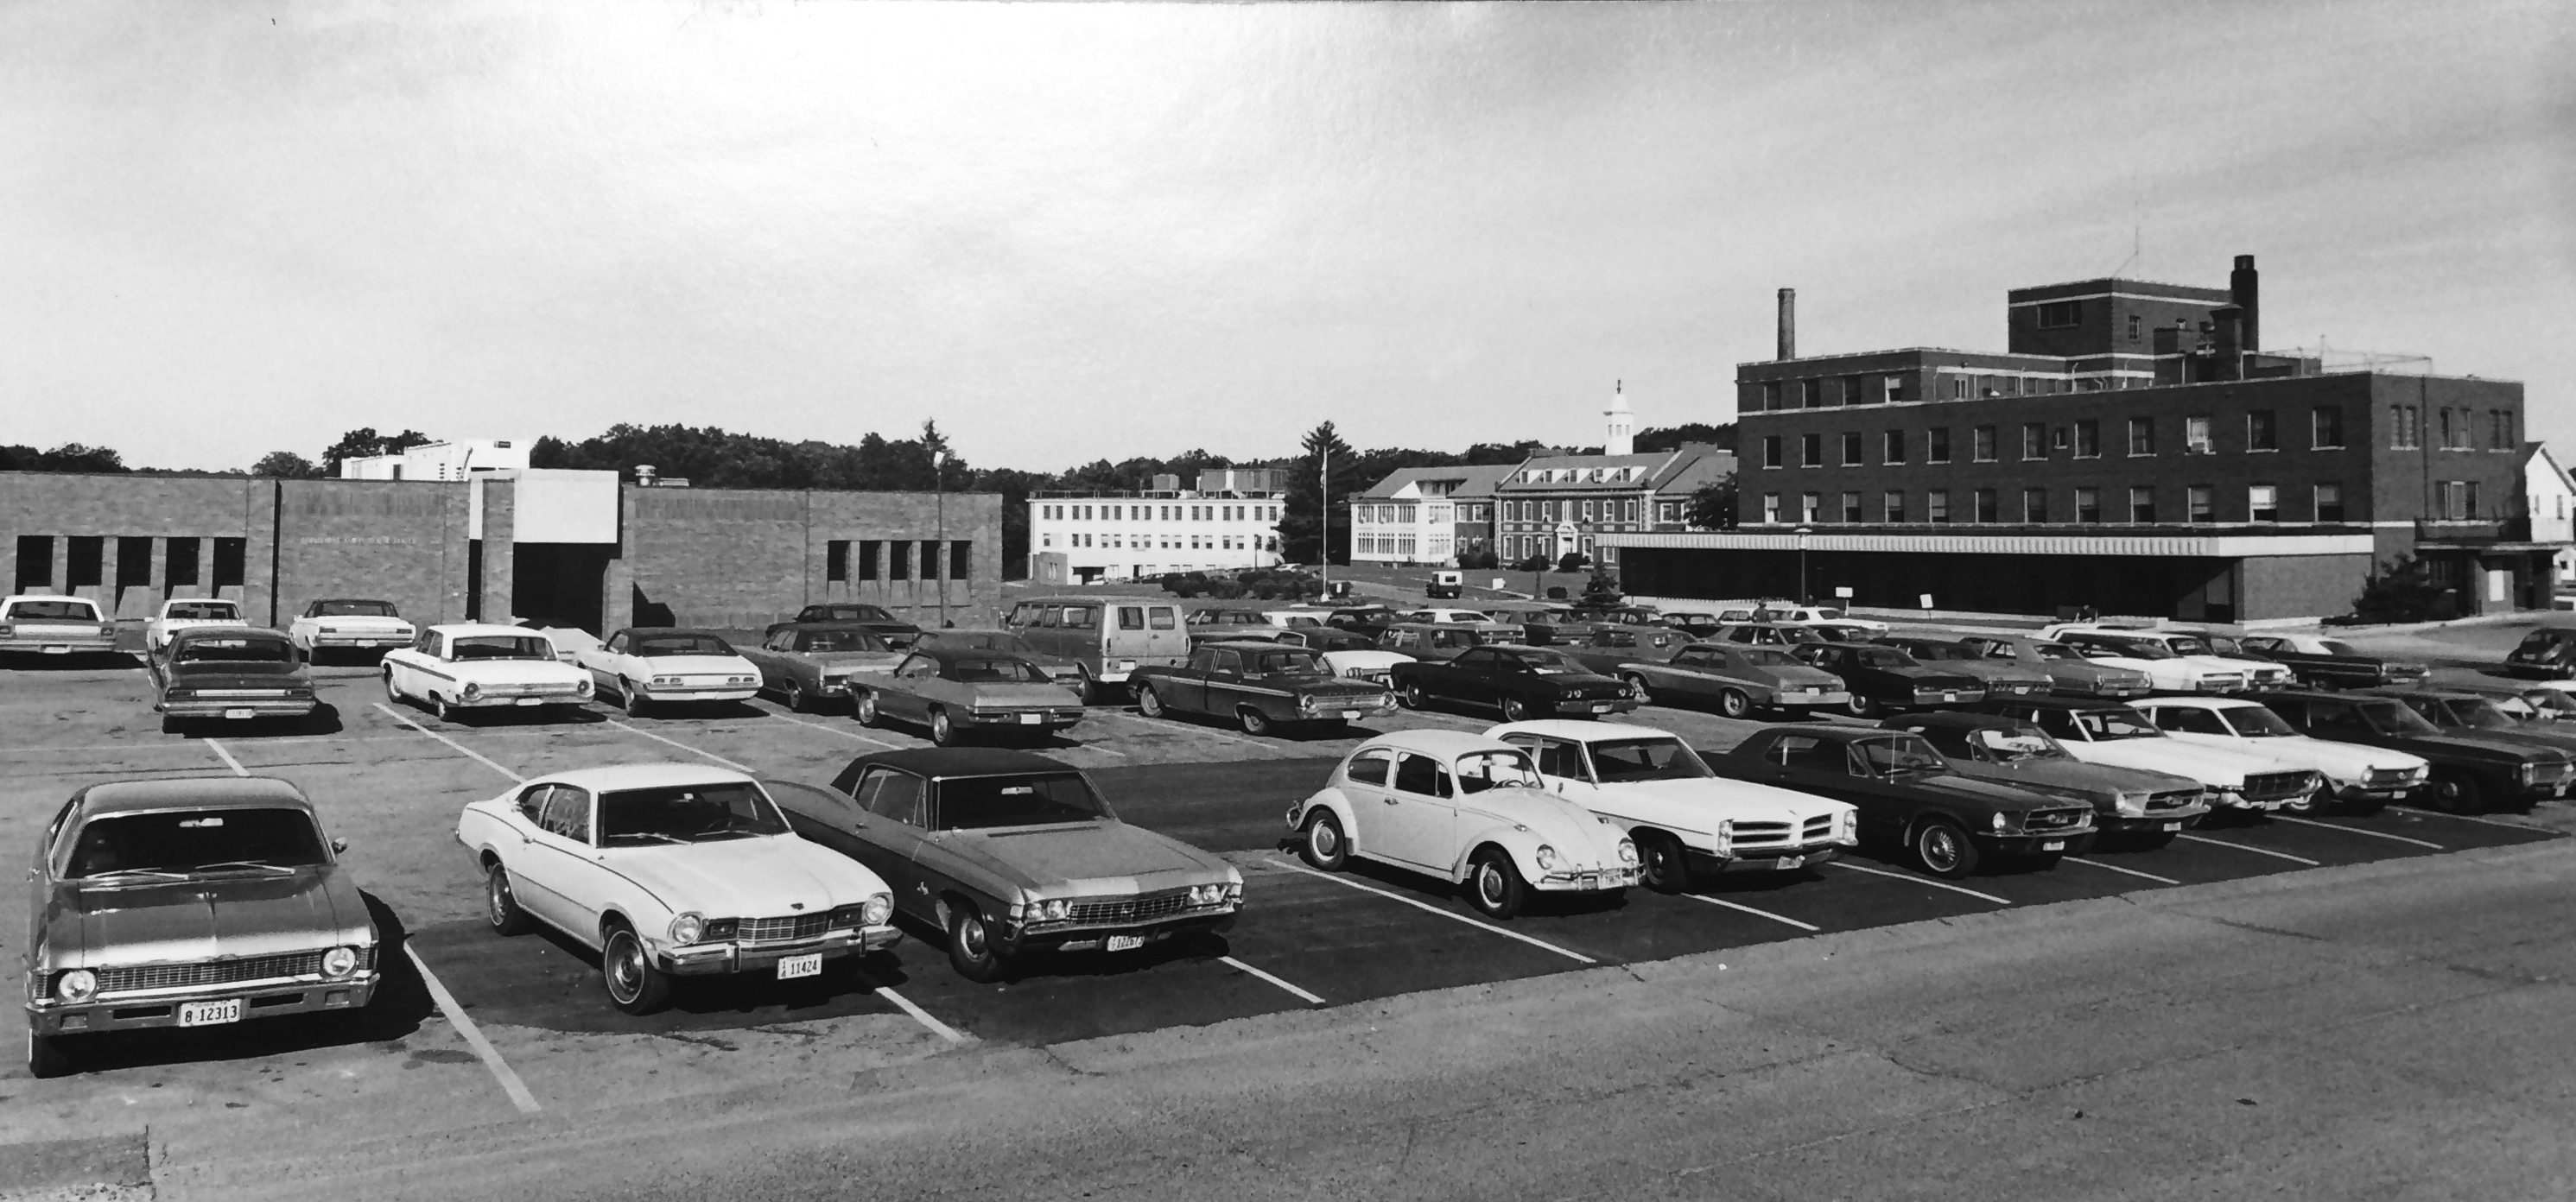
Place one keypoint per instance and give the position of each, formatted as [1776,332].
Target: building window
[2260,434]
[2034,506]
[1892,505]
[1811,450]
[868,558]
[181,568]
[2034,440]
[1895,386]
[2330,502]
[2133,327]
[836,560]
[1810,508]
[2262,503]
[2325,427]
[1627,511]
[1851,448]
[2503,433]
[2405,427]
[1587,510]
[2142,436]
[1771,508]
[1851,508]
[2195,437]
[1987,506]
[1770,394]
[1958,388]
[1983,448]
[2142,504]
[2196,500]
[1892,446]
[2088,439]
[961,559]
[1936,507]
[1811,394]
[2059,315]
[1770,450]
[229,556]
[85,561]
[1852,391]
[1937,445]
[2088,504]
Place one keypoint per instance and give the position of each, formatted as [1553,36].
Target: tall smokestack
[2242,286]
[1789,323]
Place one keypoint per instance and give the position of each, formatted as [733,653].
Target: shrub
[2404,591]
[1574,561]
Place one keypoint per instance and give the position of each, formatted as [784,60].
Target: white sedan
[1443,615]
[671,870]
[468,665]
[1467,809]
[1684,818]
[187,614]
[1376,667]
[1823,615]
[349,624]
[2119,737]
[646,667]
[2173,661]
[2363,775]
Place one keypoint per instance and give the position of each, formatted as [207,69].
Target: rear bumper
[240,708]
[39,644]
[1012,719]
[353,642]
[161,1007]
[507,701]
[718,959]
[671,696]
[1817,699]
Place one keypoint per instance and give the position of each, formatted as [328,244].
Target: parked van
[1106,637]
[1445,585]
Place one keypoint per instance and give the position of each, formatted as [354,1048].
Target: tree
[1302,524]
[1603,587]
[69,457]
[285,465]
[2403,590]
[1574,561]
[1712,505]
[364,442]
[1665,438]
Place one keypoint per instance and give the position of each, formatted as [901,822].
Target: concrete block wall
[741,558]
[110,507]
[398,541]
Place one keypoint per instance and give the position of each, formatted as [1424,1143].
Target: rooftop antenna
[2137,244]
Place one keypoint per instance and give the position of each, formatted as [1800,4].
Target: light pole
[1324,511]
[1803,532]
[939,494]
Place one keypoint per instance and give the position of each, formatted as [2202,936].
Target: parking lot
[488,1018]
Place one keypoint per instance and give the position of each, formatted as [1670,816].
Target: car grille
[1761,834]
[794,926]
[1131,909]
[2274,786]
[214,972]
[2389,778]
[2222,682]
[2552,771]
[2405,672]
[1819,827]
[2179,799]
[2053,820]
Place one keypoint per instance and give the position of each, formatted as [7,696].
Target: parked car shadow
[1429,887]
[535,715]
[89,661]
[345,656]
[932,942]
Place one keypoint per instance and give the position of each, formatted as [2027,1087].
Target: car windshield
[995,671]
[186,841]
[1482,770]
[1769,658]
[1547,663]
[656,646]
[1937,651]
[1618,761]
[2478,713]
[686,814]
[2007,746]
[2256,722]
[500,646]
[353,609]
[984,802]
[2339,647]
[2045,650]
[202,610]
[2106,725]
[53,611]
[2393,718]
[1287,663]
[1881,657]
[839,640]
[1889,755]
[2183,646]
[241,650]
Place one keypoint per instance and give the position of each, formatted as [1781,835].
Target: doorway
[560,584]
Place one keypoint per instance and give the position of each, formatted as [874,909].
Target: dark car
[1697,625]
[1545,625]
[1884,680]
[807,663]
[229,673]
[1910,797]
[957,692]
[2151,805]
[1522,682]
[1216,623]
[2002,677]
[1618,615]
[1447,640]
[1063,670]
[1370,620]
[1010,853]
[2470,771]
[896,632]
[1766,634]
[2548,653]
[1261,686]
[2465,711]
[2320,663]
[1604,648]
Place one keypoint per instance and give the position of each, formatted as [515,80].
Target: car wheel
[865,708]
[631,696]
[46,1056]
[1148,702]
[1863,707]
[2465,796]
[797,701]
[1494,886]
[943,729]
[634,984]
[1665,867]
[1514,710]
[393,695]
[1734,703]
[1943,849]
[438,707]
[970,947]
[1412,697]
[501,906]
[1254,722]
[1325,846]
[1089,690]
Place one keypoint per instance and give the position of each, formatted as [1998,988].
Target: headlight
[1546,858]
[2131,804]
[1999,820]
[1726,838]
[2530,773]
[1049,911]
[1628,852]
[878,911]
[472,690]
[686,928]
[339,961]
[581,688]
[1207,895]
[665,681]
[78,985]
[1847,827]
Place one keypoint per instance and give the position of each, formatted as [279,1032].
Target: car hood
[256,675]
[361,622]
[2456,744]
[2209,765]
[228,915]
[2537,740]
[1555,820]
[2076,776]
[765,877]
[1092,858]
[1992,795]
[2339,759]
[1699,804]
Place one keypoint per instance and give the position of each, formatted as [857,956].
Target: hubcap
[1489,884]
[1321,837]
[970,935]
[625,969]
[494,895]
[1940,848]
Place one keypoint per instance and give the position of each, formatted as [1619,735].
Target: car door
[1811,764]
[1475,677]
[601,662]
[1186,687]
[1689,674]
[889,819]
[904,694]
[1418,813]
[542,866]
[1368,782]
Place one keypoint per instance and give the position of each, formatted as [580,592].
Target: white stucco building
[2549,500]
[1425,515]
[1229,521]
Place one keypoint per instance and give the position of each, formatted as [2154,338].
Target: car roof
[641,776]
[2202,703]
[1250,645]
[343,600]
[1435,742]
[836,624]
[209,792]
[927,634]
[47,597]
[960,761]
[2445,692]
[195,634]
[2057,703]
[645,630]
[1948,719]
[952,654]
[1097,599]
[1837,734]
[1581,732]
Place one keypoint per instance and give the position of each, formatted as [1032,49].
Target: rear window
[838,640]
[219,611]
[652,646]
[504,646]
[260,651]
[353,609]
[997,671]
[67,609]
[1162,617]
[984,802]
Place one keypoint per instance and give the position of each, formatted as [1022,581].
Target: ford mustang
[1909,796]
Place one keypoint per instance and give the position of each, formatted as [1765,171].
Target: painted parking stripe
[1750,910]
[2161,880]
[2356,830]
[501,1071]
[2260,851]
[2514,826]
[1907,876]
[919,1015]
[227,757]
[1428,908]
[1310,998]
[461,748]
[846,734]
[682,746]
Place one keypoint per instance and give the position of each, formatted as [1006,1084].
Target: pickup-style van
[1107,637]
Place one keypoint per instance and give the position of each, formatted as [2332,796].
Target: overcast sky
[1086,230]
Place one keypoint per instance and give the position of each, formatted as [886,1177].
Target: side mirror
[339,845]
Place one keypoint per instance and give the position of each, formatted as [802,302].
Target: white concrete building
[1230,521]
[2549,500]
[1422,515]
[455,460]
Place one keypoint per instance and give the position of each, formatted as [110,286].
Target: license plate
[1126,943]
[1031,719]
[58,650]
[1350,715]
[2053,845]
[209,1014]
[808,965]
[1787,862]
[529,701]
[1601,709]
[240,715]
[2173,826]
[1949,696]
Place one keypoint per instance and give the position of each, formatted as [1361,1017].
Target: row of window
[1605,510]
[84,562]
[1896,506]
[2039,440]
[1829,392]
[1392,515]
[2457,429]
[1167,542]
[1165,513]
[1518,547]
[897,557]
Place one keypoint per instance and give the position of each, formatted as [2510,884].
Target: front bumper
[2095,688]
[2159,821]
[1588,881]
[1767,859]
[240,708]
[1082,937]
[2019,843]
[160,1007]
[2230,799]
[1613,705]
[733,956]
[507,700]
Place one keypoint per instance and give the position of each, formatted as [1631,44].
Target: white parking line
[510,1083]
[2161,880]
[682,746]
[2514,826]
[477,756]
[2260,851]
[1429,908]
[1907,876]
[229,761]
[1750,910]
[2355,830]
[919,1015]
[846,734]
[1311,999]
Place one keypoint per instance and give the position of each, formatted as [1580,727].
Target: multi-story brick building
[1230,520]
[2133,451]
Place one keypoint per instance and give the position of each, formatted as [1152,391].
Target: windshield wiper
[648,835]
[220,865]
[158,874]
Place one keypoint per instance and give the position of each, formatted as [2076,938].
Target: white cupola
[1619,424]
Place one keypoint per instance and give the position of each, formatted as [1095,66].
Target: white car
[1376,667]
[349,624]
[187,613]
[648,666]
[1822,615]
[671,870]
[2112,734]
[1296,617]
[1467,809]
[469,665]
[48,625]
[2173,661]
[1443,615]
[2362,775]
[1684,818]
